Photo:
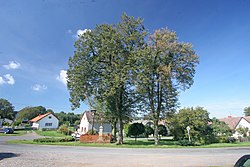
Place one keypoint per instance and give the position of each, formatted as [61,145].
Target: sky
[37,38]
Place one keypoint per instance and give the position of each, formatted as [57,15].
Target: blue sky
[37,38]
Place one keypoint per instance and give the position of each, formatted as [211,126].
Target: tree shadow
[8,155]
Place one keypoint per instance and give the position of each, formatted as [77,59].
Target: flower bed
[105,138]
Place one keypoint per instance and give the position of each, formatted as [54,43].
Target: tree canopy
[164,67]
[28,113]
[124,67]
[247,111]
[102,63]
[198,121]
[136,129]
[6,109]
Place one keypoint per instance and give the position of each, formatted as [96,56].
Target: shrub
[53,140]
[63,129]
[185,142]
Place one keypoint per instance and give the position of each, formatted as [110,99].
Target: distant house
[45,121]
[88,120]
[236,122]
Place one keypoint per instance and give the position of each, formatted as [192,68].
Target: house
[237,122]
[45,121]
[89,120]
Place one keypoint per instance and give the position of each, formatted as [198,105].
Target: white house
[45,121]
[237,122]
[89,121]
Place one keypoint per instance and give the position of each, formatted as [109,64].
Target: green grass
[137,144]
[50,133]
[16,133]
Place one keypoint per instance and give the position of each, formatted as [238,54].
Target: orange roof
[39,117]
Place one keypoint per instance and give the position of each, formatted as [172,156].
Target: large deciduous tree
[6,109]
[28,113]
[102,66]
[164,67]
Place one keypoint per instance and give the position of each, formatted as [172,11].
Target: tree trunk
[120,134]
[115,130]
[156,136]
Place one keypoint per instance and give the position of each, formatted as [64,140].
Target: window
[48,124]
[49,117]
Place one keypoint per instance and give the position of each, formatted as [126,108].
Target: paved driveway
[20,155]
[29,136]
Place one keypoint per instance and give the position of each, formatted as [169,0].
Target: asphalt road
[20,155]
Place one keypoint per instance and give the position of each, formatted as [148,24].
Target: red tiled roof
[232,122]
[247,118]
[39,117]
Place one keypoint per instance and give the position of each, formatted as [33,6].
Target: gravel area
[24,155]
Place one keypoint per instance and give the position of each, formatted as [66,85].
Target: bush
[53,140]
[185,142]
[64,129]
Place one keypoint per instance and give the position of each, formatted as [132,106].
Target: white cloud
[81,32]
[38,87]
[1,81]
[12,65]
[62,77]
[7,79]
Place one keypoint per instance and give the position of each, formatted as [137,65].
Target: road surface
[23,155]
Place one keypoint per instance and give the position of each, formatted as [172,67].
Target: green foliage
[101,66]
[125,129]
[162,130]
[186,142]
[68,118]
[64,129]
[164,67]
[197,119]
[247,111]
[127,70]
[53,140]
[148,130]
[136,129]
[6,109]
[220,128]
[29,113]
[243,131]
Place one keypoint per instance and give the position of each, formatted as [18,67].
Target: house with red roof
[91,121]
[237,122]
[45,121]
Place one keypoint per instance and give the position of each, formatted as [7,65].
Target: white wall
[244,124]
[84,125]
[48,119]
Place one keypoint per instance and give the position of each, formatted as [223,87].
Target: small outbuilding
[45,121]
[90,121]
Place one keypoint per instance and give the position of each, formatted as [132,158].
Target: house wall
[243,123]
[48,122]
[86,126]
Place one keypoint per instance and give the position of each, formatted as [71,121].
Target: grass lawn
[137,144]
[50,133]
[16,133]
